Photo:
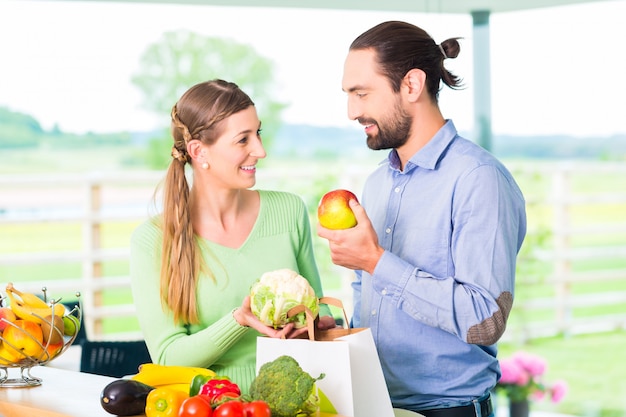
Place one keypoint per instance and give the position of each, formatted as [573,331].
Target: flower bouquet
[522,379]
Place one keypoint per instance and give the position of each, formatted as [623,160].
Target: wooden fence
[576,247]
[572,269]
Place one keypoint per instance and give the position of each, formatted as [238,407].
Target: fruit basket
[33,332]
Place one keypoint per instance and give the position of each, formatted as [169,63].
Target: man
[438,232]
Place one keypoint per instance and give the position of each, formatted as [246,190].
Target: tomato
[229,409]
[257,409]
[196,406]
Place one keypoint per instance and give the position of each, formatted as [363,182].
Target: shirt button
[384,292]
[397,189]
[388,230]
[373,312]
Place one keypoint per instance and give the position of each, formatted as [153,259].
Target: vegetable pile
[276,292]
[281,389]
[286,388]
[177,391]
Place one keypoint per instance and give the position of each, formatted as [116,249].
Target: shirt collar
[430,154]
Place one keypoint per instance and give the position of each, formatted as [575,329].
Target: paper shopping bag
[353,380]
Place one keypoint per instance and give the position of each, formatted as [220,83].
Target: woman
[192,267]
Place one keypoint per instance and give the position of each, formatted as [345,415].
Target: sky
[557,70]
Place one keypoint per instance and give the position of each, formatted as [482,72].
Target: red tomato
[196,406]
[257,409]
[229,409]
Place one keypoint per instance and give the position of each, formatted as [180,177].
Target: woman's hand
[246,317]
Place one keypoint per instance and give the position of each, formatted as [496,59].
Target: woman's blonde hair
[196,116]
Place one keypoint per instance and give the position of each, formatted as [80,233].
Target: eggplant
[125,397]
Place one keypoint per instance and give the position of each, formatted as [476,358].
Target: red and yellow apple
[51,351]
[24,339]
[6,316]
[334,210]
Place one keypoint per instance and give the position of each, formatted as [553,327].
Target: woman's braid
[179,150]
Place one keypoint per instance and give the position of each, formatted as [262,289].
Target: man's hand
[354,248]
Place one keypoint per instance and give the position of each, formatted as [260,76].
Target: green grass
[593,367]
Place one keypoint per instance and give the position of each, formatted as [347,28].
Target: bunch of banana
[172,376]
[28,306]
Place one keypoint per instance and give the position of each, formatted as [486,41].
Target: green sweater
[280,238]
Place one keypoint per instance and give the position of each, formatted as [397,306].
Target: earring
[205,165]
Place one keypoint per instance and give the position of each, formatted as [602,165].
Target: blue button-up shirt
[451,223]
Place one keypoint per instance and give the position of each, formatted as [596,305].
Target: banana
[7,356]
[27,298]
[26,311]
[156,375]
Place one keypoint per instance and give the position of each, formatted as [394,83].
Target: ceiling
[416,6]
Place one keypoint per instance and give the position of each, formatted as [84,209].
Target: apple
[24,339]
[51,351]
[334,212]
[6,316]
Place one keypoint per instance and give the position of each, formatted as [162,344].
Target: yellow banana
[34,314]
[29,299]
[155,375]
[7,356]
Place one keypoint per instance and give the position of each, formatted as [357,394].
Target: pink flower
[537,395]
[521,379]
[533,364]
[511,372]
[559,389]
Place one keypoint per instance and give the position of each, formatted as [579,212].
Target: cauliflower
[276,292]
[286,388]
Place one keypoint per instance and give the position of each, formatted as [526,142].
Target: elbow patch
[489,331]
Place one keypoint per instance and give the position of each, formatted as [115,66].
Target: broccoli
[286,388]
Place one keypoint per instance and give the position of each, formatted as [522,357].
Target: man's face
[373,103]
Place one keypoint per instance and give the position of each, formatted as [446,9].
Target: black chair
[113,358]
[109,358]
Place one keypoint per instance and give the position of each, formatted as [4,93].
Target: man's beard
[393,132]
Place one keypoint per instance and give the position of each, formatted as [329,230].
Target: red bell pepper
[218,387]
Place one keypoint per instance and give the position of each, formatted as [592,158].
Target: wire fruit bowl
[56,340]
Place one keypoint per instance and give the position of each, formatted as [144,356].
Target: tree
[181,59]
[18,130]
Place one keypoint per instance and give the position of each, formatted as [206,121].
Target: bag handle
[336,303]
[310,319]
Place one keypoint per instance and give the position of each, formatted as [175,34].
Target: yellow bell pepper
[164,402]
